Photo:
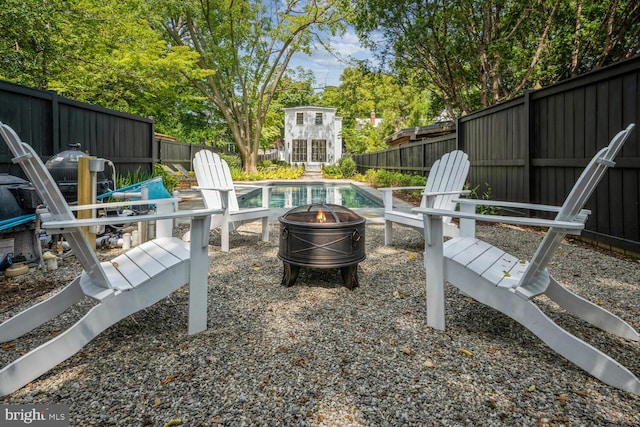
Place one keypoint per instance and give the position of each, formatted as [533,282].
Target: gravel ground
[318,354]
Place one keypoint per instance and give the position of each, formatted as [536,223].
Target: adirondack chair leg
[198,285]
[592,360]
[434,266]
[105,314]
[42,359]
[42,312]
[388,233]
[224,237]
[590,312]
[265,229]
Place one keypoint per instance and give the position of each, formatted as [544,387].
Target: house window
[299,151]
[299,118]
[318,118]
[318,150]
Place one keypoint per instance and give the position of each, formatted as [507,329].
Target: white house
[312,135]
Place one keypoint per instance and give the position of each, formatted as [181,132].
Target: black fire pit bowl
[322,236]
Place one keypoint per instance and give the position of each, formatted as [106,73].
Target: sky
[327,67]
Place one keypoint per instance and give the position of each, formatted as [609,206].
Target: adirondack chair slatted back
[447,174]
[535,278]
[46,187]
[213,172]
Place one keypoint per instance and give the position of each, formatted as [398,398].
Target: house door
[299,151]
[319,150]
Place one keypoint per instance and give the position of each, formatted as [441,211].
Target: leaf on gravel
[406,350]
[156,402]
[168,380]
[598,302]
[391,341]
[532,387]
[217,420]
[465,352]
[411,256]
[563,398]
[428,364]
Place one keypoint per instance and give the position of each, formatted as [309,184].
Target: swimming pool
[290,195]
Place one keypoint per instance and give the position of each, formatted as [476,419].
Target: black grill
[63,167]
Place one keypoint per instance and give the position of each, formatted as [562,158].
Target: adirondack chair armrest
[248,185]
[387,195]
[514,205]
[221,189]
[571,227]
[125,203]
[266,192]
[385,189]
[49,224]
[447,193]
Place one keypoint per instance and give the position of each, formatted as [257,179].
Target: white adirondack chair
[218,190]
[502,281]
[130,282]
[444,184]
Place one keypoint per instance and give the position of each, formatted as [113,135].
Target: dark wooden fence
[50,122]
[533,148]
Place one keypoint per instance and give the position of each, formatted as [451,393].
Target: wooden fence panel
[533,148]
[496,145]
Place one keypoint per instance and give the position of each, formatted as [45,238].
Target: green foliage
[244,48]
[169,181]
[332,172]
[271,173]
[234,162]
[384,178]
[486,195]
[122,181]
[347,166]
[475,53]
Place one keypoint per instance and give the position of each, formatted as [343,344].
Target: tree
[294,89]
[362,91]
[100,52]
[245,47]
[477,53]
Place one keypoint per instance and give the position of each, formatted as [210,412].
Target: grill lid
[64,165]
[321,213]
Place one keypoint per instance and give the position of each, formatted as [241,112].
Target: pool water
[291,195]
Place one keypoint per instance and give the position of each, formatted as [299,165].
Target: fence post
[528,123]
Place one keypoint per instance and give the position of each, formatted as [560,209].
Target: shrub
[332,172]
[169,181]
[347,166]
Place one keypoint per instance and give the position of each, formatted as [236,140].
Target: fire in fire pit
[322,236]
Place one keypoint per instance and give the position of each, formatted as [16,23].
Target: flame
[321,217]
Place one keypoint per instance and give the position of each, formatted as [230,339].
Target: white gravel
[318,354]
